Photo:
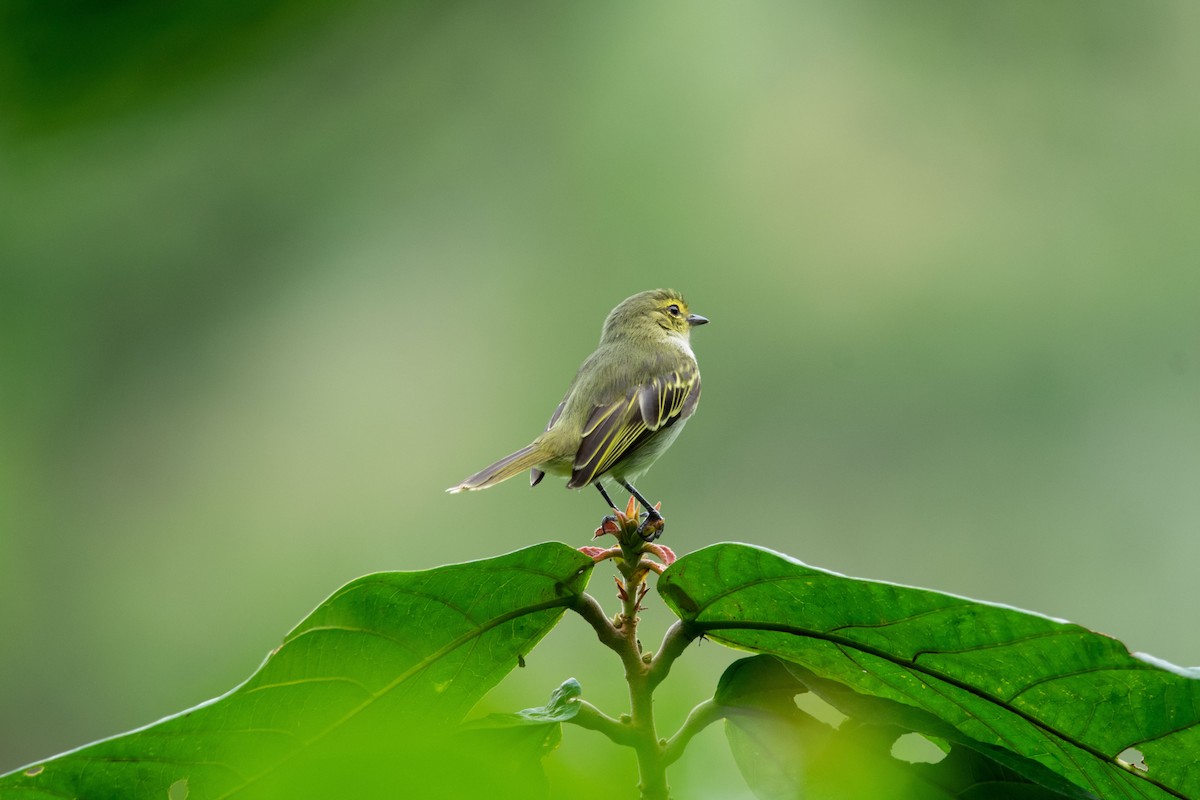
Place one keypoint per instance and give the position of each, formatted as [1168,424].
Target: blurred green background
[273,275]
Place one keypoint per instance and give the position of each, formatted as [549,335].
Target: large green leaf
[360,694]
[784,753]
[1058,694]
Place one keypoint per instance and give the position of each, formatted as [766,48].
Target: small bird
[624,408]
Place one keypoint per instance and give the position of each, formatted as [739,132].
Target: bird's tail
[502,470]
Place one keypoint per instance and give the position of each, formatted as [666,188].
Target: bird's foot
[651,526]
[635,551]
[609,524]
[631,529]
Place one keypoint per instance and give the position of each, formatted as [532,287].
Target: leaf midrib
[842,641]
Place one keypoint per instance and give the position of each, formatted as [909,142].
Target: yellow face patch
[675,309]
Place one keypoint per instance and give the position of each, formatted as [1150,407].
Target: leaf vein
[470,636]
[1045,727]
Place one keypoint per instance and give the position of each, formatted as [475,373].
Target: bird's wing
[615,429]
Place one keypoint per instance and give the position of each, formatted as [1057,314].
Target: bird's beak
[696,319]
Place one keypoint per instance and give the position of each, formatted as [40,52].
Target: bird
[626,405]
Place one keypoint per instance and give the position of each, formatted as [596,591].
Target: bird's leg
[604,494]
[611,517]
[652,526]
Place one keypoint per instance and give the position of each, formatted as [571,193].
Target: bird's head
[650,313]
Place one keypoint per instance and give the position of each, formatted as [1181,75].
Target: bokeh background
[274,274]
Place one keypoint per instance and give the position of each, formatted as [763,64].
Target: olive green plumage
[625,406]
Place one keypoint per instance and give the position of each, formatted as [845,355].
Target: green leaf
[784,752]
[879,711]
[361,694]
[563,706]
[509,748]
[1052,692]
[771,739]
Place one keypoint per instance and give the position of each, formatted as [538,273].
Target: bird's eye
[674,309]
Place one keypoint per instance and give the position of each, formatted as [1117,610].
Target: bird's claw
[651,526]
[609,524]
[629,526]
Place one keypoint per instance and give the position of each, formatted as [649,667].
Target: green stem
[587,607]
[674,642]
[700,718]
[651,764]
[643,674]
[594,719]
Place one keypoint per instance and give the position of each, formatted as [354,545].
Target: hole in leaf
[1132,757]
[814,706]
[178,790]
[34,771]
[916,749]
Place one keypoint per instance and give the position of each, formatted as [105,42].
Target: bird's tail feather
[502,470]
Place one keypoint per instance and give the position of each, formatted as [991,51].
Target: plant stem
[674,642]
[589,608]
[594,719]
[700,718]
[651,764]
[643,673]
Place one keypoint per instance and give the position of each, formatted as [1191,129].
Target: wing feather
[616,429]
